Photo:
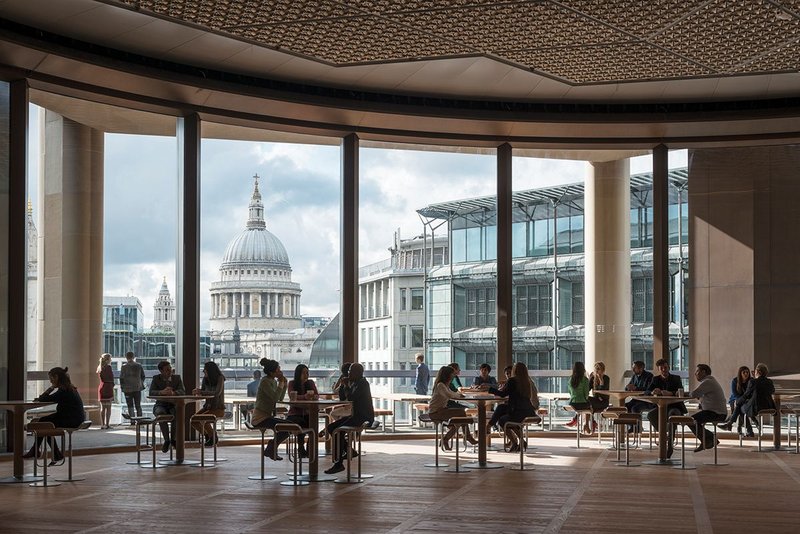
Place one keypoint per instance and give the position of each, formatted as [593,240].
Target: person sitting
[213,384]
[712,405]
[667,385]
[304,389]
[166,384]
[578,389]
[362,412]
[439,409]
[758,395]
[455,385]
[271,390]
[640,382]
[502,409]
[519,392]
[599,381]
[484,380]
[69,409]
[342,389]
[735,401]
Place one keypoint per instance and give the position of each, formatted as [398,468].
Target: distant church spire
[256,219]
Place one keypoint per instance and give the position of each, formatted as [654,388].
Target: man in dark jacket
[665,384]
[362,412]
[167,384]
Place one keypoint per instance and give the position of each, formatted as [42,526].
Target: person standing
[423,376]
[712,405]
[131,382]
[166,384]
[105,390]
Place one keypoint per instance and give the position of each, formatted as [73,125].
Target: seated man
[167,384]
[665,384]
[713,405]
[362,412]
[484,380]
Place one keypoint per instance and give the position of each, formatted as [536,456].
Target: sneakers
[338,467]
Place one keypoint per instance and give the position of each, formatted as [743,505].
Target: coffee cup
[292,395]
[680,393]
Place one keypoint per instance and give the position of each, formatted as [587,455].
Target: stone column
[608,267]
[744,273]
[255,304]
[71,193]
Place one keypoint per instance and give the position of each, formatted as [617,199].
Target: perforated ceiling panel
[576,41]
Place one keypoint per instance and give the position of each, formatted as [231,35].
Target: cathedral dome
[255,245]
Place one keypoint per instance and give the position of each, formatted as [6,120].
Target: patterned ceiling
[574,41]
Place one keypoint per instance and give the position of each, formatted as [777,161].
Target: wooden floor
[570,491]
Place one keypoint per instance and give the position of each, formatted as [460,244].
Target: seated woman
[304,389]
[599,381]
[69,408]
[519,393]
[213,384]
[438,409]
[738,388]
[579,393]
[271,390]
[758,395]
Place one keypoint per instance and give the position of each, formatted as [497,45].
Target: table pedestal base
[667,462]
[485,465]
[179,462]
[24,479]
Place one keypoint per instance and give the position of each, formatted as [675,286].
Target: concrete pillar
[744,273]
[608,268]
[71,195]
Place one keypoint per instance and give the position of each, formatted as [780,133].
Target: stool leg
[716,445]
[436,464]
[683,465]
[457,468]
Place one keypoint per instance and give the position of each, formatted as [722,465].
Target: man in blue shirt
[423,376]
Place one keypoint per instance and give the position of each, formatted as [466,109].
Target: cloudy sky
[300,189]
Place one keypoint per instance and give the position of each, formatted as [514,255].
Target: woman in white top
[438,410]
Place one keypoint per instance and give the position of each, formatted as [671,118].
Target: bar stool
[684,421]
[138,423]
[578,427]
[523,427]
[296,433]
[353,436]
[203,419]
[426,418]
[607,417]
[622,423]
[788,412]
[263,431]
[70,431]
[44,430]
[460,424]
[761,415]
[796,413]
[154,423]
[716,442]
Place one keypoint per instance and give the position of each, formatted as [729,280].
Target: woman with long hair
[738,388]
[304,389]
[213,384]
[105,391]
[519,391]
[578,389]
[438,409]
[69,408]
[599,381]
